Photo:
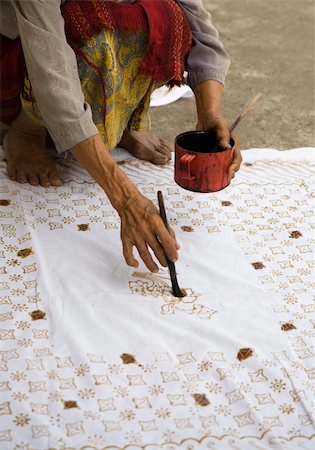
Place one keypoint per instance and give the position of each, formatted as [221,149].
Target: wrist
[93,155]
[208,99]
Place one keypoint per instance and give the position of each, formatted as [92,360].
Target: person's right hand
[143,227]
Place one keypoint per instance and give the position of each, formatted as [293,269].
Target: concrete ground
[272,47]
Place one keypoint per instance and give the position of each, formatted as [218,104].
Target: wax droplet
[68,404]
[128,359]
[295,234]
[38,314]
[187,229]
[258,265]
[5,202]
[245,353]
[226,203]
[288,326]
[201,399]
[83,227]
[25,252]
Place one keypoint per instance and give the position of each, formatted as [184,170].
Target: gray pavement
[272,46]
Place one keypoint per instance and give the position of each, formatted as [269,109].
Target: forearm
[93,155]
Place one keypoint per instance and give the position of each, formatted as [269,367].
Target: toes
[33,179]
[55,180]
[44,179]
[20,177]
[164,149]
[11,173]
[159,159]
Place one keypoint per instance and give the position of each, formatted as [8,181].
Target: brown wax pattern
[128,359]
[226,203]
[288,326]
[187,228]
[258,265]
[201,399]
[38,314]
[83,227]
[295,234]
[68,404]
[5,202]
[244,353]
[25,252]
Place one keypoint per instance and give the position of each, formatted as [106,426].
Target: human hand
[221,130]
[143,227]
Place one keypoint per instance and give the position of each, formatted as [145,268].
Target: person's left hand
[221,129]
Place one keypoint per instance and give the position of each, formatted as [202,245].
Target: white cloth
[141,367]
[165,96]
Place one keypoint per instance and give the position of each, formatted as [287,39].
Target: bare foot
[146,146]
[26,156]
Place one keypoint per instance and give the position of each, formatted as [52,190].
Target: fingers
[223,137]
[158,251]
[171,231]
[168,243]
[146,257]
[237,158]
[163,247]
[128,255]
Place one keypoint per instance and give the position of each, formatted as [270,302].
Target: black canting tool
[176,290]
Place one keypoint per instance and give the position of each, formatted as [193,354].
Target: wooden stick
[177,292]
[247,108]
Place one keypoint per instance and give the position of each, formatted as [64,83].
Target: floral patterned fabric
[96,355]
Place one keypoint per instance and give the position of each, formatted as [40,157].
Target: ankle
[26,127]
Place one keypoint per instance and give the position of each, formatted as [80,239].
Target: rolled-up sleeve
[52,70]
[208,60]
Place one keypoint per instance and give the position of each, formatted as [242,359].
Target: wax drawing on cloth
[158,287]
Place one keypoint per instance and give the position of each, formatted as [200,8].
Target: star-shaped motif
[35,386]
[34,364]
[169,376]
[101,379]
[74,428]
[264,399]
[176,400]
[5,409]
[234,396]
[149,425]
[9,354]
[258,376]
[40,431]
[39,408]
[183,423]
[65,361]
[107,404]
[111,425]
